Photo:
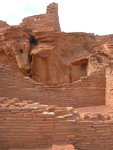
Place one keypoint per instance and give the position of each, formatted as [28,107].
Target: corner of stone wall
[109,86]
[52,8]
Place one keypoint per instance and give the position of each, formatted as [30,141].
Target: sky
[91,16]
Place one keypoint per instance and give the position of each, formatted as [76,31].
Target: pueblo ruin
[56,88]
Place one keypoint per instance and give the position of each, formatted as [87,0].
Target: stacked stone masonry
[48,82]
[24,124]
[45,22]
[89,91]
[109,86]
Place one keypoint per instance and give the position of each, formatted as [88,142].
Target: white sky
[95,16]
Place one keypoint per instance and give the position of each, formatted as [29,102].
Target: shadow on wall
[26,70]
[33,43]
[78,69]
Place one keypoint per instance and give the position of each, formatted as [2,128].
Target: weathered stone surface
[50,58]
[61,57]
[24,127]
[15,47]
[45,77]
[88,91]
[53,147]
[45,22]
[53,57]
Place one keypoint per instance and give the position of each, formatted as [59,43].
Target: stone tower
[45,22]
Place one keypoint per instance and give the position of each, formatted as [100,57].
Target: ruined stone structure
[55,88]
[45,22]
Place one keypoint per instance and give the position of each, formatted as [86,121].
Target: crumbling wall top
[44,22]
[52,8]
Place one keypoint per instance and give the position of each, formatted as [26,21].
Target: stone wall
[109,86]
[45,22]
[30,125]
[88,91]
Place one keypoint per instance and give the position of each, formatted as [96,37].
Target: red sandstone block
[103,130]
[63,147]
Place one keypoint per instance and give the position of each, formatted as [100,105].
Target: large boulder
[15,47]
[61,57]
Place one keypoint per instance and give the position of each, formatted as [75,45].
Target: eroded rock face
[61,58]
[15,44]
[53,57]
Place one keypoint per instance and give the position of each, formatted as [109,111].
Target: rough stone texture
[63,147]
[54,57]
[21,121]
[53,147]
[61,57]
[109,86]
[89,91]
[44,22]
[13,41]
[58,77]
[51,58]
